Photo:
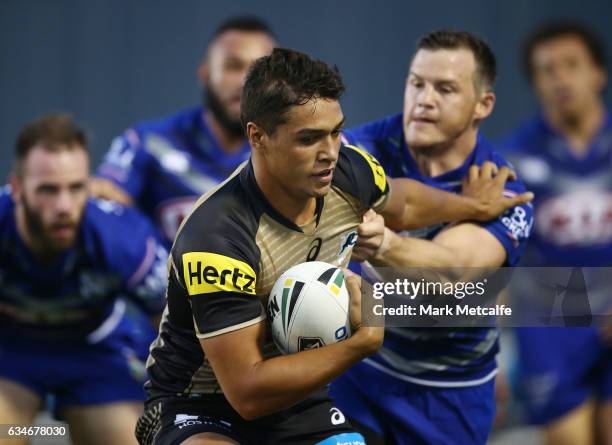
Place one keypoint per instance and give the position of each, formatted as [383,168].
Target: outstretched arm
[412,204]
[463,245]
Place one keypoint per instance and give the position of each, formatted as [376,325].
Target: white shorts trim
[433,383]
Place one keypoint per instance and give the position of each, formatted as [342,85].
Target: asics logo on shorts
[337,417]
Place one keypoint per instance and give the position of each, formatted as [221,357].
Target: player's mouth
[63,230]
[563,95]
[234,103]
[423,120]
[324,176]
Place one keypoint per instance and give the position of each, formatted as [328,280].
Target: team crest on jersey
[96,285]
[347,242]
[518,223]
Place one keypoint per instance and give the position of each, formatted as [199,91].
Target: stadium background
[114,62]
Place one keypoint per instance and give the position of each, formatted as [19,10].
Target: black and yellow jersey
[228,254]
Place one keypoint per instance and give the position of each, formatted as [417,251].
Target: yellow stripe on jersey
[379,173]
[207,272]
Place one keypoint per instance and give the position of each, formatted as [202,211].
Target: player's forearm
[403,251]
[280,382]
[427,205]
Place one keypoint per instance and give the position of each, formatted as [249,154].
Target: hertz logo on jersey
[378,171]
[207,272]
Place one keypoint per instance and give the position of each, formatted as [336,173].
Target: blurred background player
[165,165]
[564,154]
[430,386]
[64,262]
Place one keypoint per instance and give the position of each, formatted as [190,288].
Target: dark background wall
[114,62]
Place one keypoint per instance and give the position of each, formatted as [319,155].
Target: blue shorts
[405,413]
[109,368]
[561,368]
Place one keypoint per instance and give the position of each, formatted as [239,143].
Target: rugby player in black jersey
[215,375]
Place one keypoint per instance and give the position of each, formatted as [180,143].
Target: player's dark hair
[483,55]
[555,29]
[244,23]
[284,79]
[53,132]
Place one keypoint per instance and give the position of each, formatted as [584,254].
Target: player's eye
[571,63]
[308,140]
[47,190]
[77,188]
[234,65]
[416,83]
[548,68]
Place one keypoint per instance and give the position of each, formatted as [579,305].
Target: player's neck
[298,209]
[579,129]
[229,143]
[439,159]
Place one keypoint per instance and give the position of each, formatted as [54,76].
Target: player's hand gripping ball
[309,307]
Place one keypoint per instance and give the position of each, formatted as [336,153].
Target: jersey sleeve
[216,267]
[138,255]
[512,228]
[126,163]
[361,175]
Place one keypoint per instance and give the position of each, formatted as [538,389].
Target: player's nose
[64,202]
[425,97]
[330,148]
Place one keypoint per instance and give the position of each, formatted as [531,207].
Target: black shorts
[312,421]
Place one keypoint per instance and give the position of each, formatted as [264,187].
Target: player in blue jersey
[436,386]
[66,262]
[564,154]
[164,165]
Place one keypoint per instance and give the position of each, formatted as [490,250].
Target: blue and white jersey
[573,195]
[442,356]
[117,253]
[166,164]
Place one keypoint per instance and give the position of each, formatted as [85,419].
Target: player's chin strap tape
[148,424]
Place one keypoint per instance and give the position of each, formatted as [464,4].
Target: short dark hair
[555,29]
[54,132]
[282,80]
[486,65]
[245,23]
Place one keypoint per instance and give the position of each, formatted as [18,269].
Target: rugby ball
[309,307]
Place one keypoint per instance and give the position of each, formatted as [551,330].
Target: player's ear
[257,136]
[203,72]
[16,188]
[484,106]
[602,79]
